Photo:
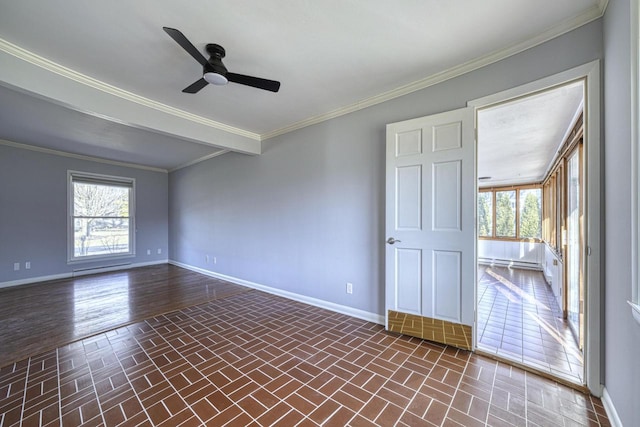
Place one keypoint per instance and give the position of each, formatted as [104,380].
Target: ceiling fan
[214,71]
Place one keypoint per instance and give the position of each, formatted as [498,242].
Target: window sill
[635,310]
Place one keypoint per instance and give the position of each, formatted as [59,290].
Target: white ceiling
[109,70]
[518,140]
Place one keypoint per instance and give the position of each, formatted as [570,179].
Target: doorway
[431,284]
[531,247]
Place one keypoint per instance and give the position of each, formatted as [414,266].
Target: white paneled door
[430,215]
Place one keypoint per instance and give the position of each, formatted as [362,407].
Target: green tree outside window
[505,213]
[530,224]
[485,214]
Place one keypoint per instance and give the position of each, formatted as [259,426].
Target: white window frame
[635,160]
[106,179]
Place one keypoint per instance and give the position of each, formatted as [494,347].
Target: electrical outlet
[16,266]
[206,259]
[27,265]
[215,260]
[159,251]
[148,251]
[349,288]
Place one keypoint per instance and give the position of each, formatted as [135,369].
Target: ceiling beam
[27,72]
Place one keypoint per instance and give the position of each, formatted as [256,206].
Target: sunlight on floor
[516,290]
[520,320]
[567,344]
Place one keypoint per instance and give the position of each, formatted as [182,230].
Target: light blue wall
[622,333]
[33,212]
[307,216]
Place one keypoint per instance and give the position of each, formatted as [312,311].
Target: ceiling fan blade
[196,86]
[185,44]
[257,82]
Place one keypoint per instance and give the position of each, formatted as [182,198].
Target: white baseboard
[614,419]
[34,280]
[77,273]
[510,263]
[350,311]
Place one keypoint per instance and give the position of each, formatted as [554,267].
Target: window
[485,214]
[514,213]
[553,193]
[101,216]
[530,225]
[549,221]
[506,213]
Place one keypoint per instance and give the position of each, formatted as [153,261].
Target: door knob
[391,241]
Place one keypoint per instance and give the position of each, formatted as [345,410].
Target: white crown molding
[570,24]
[77,77]
[201,159]
[79,156]
[564,27]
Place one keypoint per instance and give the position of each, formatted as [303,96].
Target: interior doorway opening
[530,291]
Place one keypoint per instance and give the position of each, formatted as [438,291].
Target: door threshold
[576,386]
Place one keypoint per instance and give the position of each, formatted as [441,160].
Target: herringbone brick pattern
[255,359]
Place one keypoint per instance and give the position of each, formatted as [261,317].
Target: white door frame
[590,73]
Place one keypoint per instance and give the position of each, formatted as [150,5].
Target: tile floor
[519,320]
[254,359]
[436,330]
[42,316]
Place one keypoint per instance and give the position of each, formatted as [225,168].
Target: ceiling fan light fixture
[215,78]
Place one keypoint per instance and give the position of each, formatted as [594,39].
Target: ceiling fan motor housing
[214,70]
[216,50]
